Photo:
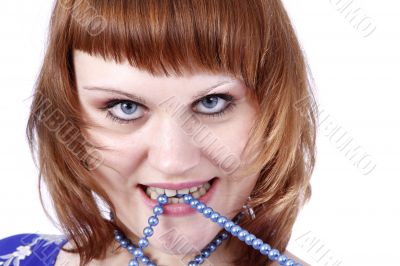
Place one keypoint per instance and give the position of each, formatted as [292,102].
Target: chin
[177,240]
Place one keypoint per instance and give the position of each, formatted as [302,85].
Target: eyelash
[114,101]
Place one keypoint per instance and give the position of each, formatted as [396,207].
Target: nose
[172,151]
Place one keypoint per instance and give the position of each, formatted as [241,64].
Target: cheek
[120,157]
[234,137]
[231,140]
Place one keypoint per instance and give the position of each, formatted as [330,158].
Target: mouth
[175,196]
[176,206]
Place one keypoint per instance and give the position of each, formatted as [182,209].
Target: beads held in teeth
[162,199]
[175,195]
[229,226]
[187,198]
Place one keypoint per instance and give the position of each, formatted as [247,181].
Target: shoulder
[30,249]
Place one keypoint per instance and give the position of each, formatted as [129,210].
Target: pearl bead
[224,235]
[157,210]
[228,225]
[257,243]
[214,216]
[144,259]
[205,253]
[242,234]
[151,264]
[249,239]
[187,198]
[207,212]
[282,259]
[235,230]
[274,254]
[124,243]
[199,259]
[119,237]
[143,242]
[193,263]
[218,241]
[148,231]
[162,199]
[193,203]
[265,249]
[212,247]
[222,220]
[138,252]
[153,220]
[200,207]
[133,262]
[131,248]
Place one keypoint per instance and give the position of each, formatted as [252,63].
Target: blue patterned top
[30,249]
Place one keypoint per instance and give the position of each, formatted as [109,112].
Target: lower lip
[180,209]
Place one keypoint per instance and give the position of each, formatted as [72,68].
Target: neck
[119,256]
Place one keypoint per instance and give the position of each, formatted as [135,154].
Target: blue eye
[215,104]
[125,111]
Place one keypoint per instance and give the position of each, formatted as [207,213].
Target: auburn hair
[252,40]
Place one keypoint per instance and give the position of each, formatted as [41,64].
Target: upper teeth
[196,192]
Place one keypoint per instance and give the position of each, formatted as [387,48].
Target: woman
[146,106]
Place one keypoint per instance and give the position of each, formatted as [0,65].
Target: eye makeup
[228,98]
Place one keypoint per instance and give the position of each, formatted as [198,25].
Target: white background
[353,216]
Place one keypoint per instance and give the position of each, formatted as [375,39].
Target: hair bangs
[159,36]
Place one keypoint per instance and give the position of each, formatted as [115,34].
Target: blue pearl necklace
[230,226]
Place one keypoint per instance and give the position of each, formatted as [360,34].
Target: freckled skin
[155,148]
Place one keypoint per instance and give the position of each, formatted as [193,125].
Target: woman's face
[160,133]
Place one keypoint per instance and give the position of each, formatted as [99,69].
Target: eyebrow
[205,91]
[116,91]
[133,97]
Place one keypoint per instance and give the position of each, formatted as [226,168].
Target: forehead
[91,70]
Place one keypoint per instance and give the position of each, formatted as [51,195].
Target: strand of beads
[228,225]
[137,251]
[197,260]
[148,232]
[237,231]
